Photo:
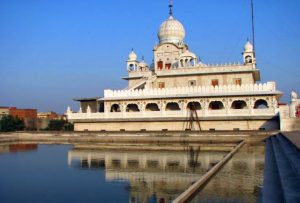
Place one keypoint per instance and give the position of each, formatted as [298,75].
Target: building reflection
[20,147]
[17,147]
[239,180]
[162,176]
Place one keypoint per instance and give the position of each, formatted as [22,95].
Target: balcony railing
[172,114]
[268,87]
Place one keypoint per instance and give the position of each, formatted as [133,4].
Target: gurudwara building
[180,92]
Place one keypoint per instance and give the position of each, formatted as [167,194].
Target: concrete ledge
[157,138]
[221,118]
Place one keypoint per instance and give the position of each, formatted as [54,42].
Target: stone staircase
[282,171]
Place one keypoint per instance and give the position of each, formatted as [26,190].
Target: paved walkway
[294,137]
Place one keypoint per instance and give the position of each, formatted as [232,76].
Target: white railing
[223,89]
[172,114]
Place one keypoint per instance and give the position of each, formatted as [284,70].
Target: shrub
[9,123]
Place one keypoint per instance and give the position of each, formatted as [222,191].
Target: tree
[59,125]
[9,123]
[56,125]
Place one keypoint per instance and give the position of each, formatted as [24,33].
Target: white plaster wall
[204,80]
[178,125]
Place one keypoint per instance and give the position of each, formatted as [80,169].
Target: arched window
[159,65]
[261,104]
[193,106]
[168,66]
[172,106]
[192,62]
[132,108]
[181,63]
[239,104]
[152,107]
[216,105]
[115,108]
[248,59]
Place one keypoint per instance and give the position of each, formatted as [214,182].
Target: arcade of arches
[201,104]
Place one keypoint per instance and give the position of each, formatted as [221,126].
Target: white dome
[143,64]
[171,31]
[188,54]
[248,47]
[132,56]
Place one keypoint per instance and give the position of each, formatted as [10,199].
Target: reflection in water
[153,176]
[22,147]
[162,176]
[17,147]
[239,180]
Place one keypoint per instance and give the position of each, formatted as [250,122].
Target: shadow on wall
[271,124]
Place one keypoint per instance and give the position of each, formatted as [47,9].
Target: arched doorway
[261,104]
[115,108]
[132,108]
[172,106]
[239,104]
[194,106]
[216,105]
[152,107]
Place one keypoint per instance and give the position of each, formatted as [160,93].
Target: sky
[54,50]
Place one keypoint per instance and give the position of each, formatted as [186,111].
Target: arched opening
[168,66]
[261,104]
[248,59]
[181,63]
[152,107]
[187,62]
[172,106]
[194,106]
[192,62]
[115,108]
[239,104]
[159,65]
[131,67]
[132,108]
[216,105]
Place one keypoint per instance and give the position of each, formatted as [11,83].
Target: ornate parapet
[226,90]
[172,114]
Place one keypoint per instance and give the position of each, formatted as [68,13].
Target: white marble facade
[177,78]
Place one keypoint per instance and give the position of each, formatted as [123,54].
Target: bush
[59,125]
[9,123]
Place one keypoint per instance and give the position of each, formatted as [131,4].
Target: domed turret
[187,58]
[248,47]
[248,54]
[132,56]
[171,31]
[143,65]
[188,54]
[132,62]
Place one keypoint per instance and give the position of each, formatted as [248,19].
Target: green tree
[56,125]
[68,127]
[59,125]
[9,123]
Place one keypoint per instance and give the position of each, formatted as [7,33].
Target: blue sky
[54,50]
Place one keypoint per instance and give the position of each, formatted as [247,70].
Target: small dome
[172,31]
[132,56]
[248,47]
[188,54]
[143,64]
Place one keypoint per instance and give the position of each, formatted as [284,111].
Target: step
[288,178]
[272,190]
[292,153]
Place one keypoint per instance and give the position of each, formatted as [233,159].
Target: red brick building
[28,115]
